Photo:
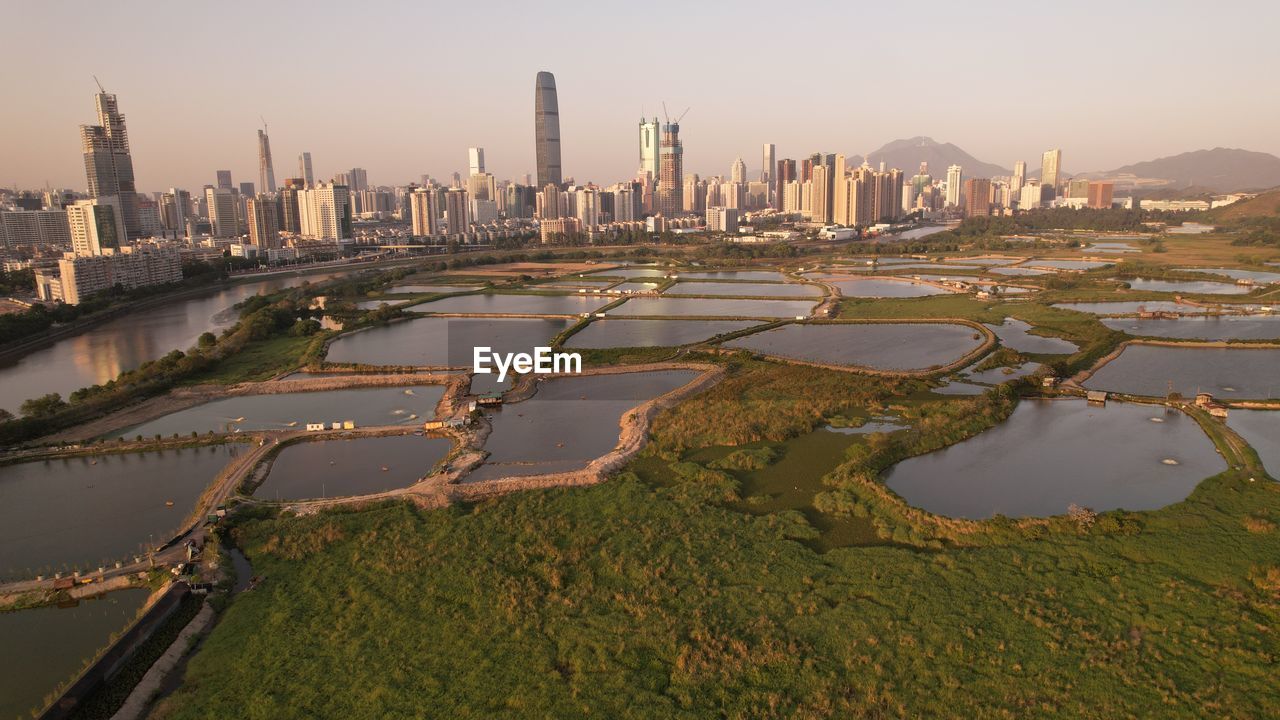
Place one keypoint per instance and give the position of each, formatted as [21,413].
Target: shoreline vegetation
[674,590]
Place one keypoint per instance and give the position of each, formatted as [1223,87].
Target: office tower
[304,169]
[977,197]
[224,179]
[649,148]
[457,211]
[546,122]
[738,171]
[954,186]
[1050,168]
[1019,178]
[175,210]
[1100,195]
[425,212]
[919,182]
[670,172]
[266,173]
[475,160]
[94,225]
[108,163]
[766,171]
[1077,188]
[483,186]
[247,190]
[820,205]
[149,217]
[264,222]
[324,212]
[224,211]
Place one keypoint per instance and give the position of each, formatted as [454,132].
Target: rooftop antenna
[265,130]
[100,88]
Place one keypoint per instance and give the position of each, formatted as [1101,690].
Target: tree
[43,406]
[207,340]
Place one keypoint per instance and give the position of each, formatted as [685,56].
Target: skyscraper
[108,164]
[820,204]
[977,197]
[649,148]
[324,212]
[670,172]
[457,211]
[738,171]
[546,121]
[224,211]
[475,160]
[766,164]
[94,226]
[425,212]
[304,169]
[264,222]
[1019,178]
[954,186]
[266,173]
[224,179]
[1050,169]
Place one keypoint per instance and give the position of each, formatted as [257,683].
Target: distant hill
[1265,205]
[1219,169]
[909,153]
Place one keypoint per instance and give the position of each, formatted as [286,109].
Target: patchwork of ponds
[89,511]
[285,411]
[880,346]
[47,646]
[1016,334]
[568,422]
[1112,247]
[355,466]
[744,289]
[651,333]
[712,307]
[441,342]
[493,304]
[876,288]
[406,289]
[1132,307]
[635,286]
[1258,276]
[1051,454]
[633,272]
[984,261]
[1217,327]
[1154,370]
[1261,429]
[1188,286]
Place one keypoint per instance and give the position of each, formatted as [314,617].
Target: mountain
[909,153]
[1221,169]
[1265,205]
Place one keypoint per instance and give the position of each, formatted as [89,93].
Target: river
[104,351]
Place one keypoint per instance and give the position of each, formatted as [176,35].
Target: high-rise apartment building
[1019,178]
[977,197]
[290,212]
[457,211]
[263,212]
[108,163]
[954,186]
[1050,172]
[425,212]
[31,228]
[670,201]
[546,122]
[820,204]
[324,212]
[175,211]
[95,226]
[266,173]
[785,173]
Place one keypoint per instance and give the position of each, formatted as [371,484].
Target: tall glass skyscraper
[546,120]
[671,172]
[108,164]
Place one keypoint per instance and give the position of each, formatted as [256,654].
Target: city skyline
[183,130]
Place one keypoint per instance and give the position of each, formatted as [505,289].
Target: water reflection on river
[104,351]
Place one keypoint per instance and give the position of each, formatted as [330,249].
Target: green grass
[259,360]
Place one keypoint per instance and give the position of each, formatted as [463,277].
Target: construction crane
[100,88]
[667,115]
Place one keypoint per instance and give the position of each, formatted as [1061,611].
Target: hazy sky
[403,89]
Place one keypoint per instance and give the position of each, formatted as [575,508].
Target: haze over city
[1109,84]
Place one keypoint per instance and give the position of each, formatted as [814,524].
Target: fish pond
[1216,327]
[1051,454]
[441,342]
[880,346]
[878,288]
[744,289]
[651,333]
[494,304]
[711,307]
[355,466]
[1153,370]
